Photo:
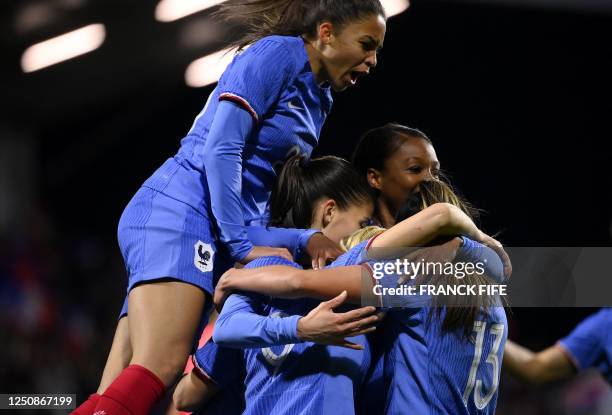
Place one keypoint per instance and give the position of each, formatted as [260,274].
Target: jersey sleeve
[474,252]
[242,324]
[223,164]
[222,365]
[585,344]
[295,240]
[256,78]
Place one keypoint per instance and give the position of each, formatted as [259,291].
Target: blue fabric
[223,160]
[589,345]
[427,369]
[354,256]
[241,323]
[472,251]
[295,240]
[295,378]
[273,82]
[160,237]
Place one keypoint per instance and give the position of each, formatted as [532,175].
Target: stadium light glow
[393,7]
[171,10]
[63,47]
[208,70]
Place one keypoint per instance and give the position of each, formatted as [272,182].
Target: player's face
[414,161]
[340,223]
[351,53]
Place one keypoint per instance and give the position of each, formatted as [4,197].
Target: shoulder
[277,48]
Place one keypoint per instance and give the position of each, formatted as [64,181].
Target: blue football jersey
[273,81]
[431,371]
[589,345]
[295,378]
[303,378]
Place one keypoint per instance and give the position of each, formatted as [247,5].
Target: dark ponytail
[260,18]
[302,183]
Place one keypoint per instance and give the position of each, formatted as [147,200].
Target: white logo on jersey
[277,359]
[203,257]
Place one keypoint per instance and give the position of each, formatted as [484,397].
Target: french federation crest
[203,258]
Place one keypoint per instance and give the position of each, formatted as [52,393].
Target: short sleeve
[585,344]
[256,78]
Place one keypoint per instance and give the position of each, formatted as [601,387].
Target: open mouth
[355,75]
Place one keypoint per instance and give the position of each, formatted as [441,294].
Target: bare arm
[440,219]
[290,282]
[193,391]
[549,365]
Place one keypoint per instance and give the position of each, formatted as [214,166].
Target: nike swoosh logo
[294,107]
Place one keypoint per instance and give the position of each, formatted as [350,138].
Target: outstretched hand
[322,325]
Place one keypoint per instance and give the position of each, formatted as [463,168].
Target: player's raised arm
[439,219]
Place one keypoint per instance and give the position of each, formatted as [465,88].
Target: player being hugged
[271,102]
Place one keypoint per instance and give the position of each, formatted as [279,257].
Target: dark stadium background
[516,99]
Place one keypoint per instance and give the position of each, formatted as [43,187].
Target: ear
[329,210]
[326,31]
[375,179]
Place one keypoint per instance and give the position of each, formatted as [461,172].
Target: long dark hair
[457,313]
[260,18]
[302,182]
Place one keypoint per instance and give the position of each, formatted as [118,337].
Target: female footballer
[270,102]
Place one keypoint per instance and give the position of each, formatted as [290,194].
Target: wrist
[300,329]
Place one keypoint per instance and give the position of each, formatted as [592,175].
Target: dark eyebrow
[420,160]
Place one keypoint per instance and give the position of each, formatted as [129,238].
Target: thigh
[163,318]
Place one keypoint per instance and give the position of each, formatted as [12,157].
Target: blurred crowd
[58,295]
